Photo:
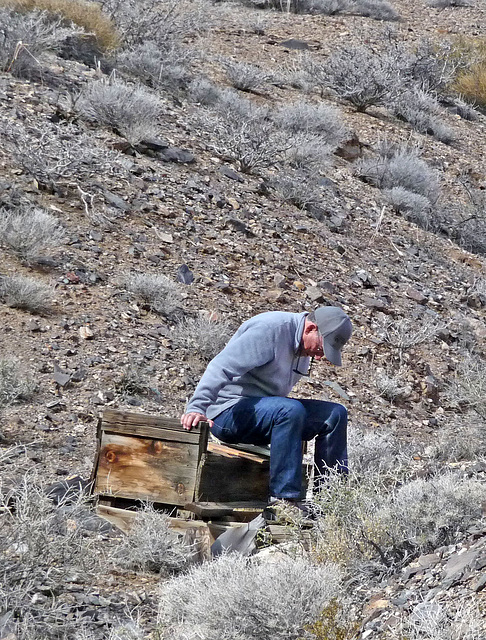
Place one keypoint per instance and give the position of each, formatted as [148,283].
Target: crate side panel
[146,469]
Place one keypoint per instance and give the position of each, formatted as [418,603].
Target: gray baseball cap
[335,328]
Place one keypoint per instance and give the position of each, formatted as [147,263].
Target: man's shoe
[294,512]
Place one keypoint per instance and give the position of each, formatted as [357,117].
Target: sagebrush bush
[22,292]
[318,119]
[25,37]
[245,76]
[157,291]
[15,384]
[307,152]
[164,22]
[377,451]
[57,156]
[422,111]
[408,332]
[392,387]
[249,139]
[370,520]
[152,546]
[400,166]
[462,438]
[297,188]
[441,4]
[41,545]
[29,231]
[87,15]
[158,68]
[433,620]
[234,597]
[364,77]
[132,111]
[468,388]
[375,9]
[413,206]
[202,335]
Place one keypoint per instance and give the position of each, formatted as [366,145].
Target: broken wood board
[242,511]
[148,458]
[195,533]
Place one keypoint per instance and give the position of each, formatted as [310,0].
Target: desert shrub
[87,15]
[434,511]
[29,231]
[250,140]
[151,545]
[392,387]
[202,335]
[15,385]
[245,76]
[41,545]
[432,620]
[377,451]
[413,206]
[57,155]
[297,188]
[470,81]
[308,118]
[364,77]
[463,438]
[205,92]
[468,388]
[465,222]
[21,292]
[422,111]
[158,68]
[372,523]
[157,291]
[400,166]
[130,110]
[405,333]
[441,4]
[375,9]
[307,152]
[164,22]
[234,597]
[24,38]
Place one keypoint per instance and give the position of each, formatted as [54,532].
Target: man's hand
[189,420]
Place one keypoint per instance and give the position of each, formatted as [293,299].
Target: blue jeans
[284,423]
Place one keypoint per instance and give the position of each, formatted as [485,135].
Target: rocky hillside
[158,191]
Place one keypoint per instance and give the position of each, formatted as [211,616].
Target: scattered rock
[174,154]
[292,43]
[185,275]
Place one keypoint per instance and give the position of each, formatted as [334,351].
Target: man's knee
[292,410]
[340,413]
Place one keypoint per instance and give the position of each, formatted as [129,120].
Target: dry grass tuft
[85,14]
[21,292]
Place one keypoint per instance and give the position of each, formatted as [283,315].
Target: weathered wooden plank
[245,510]
[232,452]
[146,469]
[139,424]
[196,534]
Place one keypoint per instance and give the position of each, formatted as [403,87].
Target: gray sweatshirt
[258,361]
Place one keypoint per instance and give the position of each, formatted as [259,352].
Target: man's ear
[310,326]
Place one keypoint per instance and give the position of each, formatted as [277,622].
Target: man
[243,393]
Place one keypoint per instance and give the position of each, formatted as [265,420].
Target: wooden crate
[142,457]
[150,458]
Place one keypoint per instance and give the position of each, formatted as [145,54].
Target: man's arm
[245,351]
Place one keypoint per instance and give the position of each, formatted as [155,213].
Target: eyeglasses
[301,373]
